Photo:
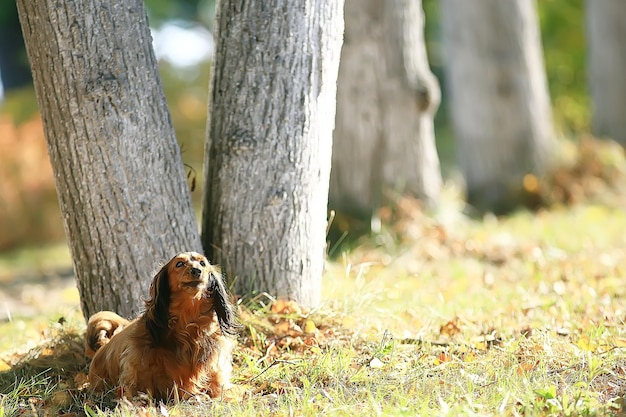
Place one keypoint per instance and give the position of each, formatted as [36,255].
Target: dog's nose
[196,272]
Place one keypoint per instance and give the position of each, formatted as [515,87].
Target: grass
[36,260]
[436,314]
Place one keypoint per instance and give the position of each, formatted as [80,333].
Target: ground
[437,313]
[29,295]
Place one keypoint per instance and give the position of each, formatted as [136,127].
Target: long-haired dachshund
[180,346]
[101,327]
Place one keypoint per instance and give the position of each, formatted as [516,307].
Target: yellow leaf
[480,345]
[309,326]
[531,183]
[61,399]
[315,350]
[585,344]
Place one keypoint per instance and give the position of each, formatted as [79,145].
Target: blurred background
[29,213]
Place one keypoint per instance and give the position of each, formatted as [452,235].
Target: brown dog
[183,341]
[101,327]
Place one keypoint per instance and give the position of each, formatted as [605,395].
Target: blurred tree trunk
[606,61]
[272,109]
[386,101]
[117,165]
[499,99]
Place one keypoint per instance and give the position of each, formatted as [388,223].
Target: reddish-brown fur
[101,327]
[182,342]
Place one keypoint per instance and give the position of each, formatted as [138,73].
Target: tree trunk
[272,109]
[499,99]
[117,165]
[606,60]
[386,101]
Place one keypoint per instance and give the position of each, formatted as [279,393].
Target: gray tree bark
[386,101]
[272,109]
[499,99]
[118,168]
[606,60]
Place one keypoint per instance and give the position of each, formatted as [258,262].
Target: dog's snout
[196,272]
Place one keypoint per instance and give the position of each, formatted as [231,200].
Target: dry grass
[435,315]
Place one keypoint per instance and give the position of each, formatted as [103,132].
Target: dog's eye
[202,263]
[179,264]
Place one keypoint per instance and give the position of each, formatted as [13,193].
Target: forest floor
[434,314]
[521,315]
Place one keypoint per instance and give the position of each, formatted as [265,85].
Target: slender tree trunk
[499,98]
[272,108]
[386,101]
[356,175]
[606,60]
[117,165]
[411,97]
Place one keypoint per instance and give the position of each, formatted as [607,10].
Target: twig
[276,362]
[267,353]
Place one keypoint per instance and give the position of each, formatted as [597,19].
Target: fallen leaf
[236,393]
[586,344]
[376,363]
[81,380]
[287,328]
[527,332]
[285,307]
[526,367]
[282,328]
[444,357]
[450,328]
[309,326]
[619,342]
[562,331]
[311,341]
[61,399]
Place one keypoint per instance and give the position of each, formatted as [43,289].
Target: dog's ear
[221,303]
[157,307]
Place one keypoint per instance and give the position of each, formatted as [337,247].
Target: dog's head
[189,279]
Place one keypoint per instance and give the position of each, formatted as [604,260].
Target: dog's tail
[101,327]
